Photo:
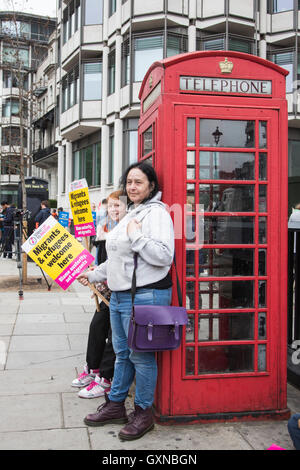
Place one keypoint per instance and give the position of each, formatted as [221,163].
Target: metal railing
[42,153]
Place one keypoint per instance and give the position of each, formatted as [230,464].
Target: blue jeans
[129,363]
[294,430]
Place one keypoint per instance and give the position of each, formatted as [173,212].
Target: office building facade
[23,44]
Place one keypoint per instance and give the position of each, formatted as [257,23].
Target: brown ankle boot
[108,412]
[140,422]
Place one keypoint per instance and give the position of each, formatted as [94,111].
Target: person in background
[100,238]
[8,229]
[93,237]
[100,357]
[54,214]
[43,214]
[147,230]
[1,227]
[294,430]
[295,215]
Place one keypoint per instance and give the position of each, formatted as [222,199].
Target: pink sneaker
[96,389]
[85,378]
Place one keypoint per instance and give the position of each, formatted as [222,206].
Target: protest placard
[63,218]
[57,252]
[81,209]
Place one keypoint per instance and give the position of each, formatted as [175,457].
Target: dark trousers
[8,239]
[294,430]
[100,354]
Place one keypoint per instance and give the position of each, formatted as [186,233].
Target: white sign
[226,85]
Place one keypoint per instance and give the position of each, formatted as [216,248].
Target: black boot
[140,422]
[109,412]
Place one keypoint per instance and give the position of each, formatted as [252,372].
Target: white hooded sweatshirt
[154,243]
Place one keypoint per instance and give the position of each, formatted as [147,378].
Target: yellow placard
[55,250]
[80,206]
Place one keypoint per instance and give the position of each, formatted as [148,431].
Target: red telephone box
[214,125]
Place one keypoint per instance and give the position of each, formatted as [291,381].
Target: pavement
[42,349]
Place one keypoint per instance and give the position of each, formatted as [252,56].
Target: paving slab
[75,408]
[38,308]
[76,300]
[39,343]
[78,317]
[4,343]
[37,381]
[30,412]
[262,435]
[8,308]
[53,439]
[78,342]
[24,328]
[195,437]
[47,359]
[40,318]
[6,330]
[7,318]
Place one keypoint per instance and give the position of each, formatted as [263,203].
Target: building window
[41,31]
[70,89]
[93,12]
[111,72]
[16,28]
[146,51]
[11,80]
[11,136]
[10,165]
[294,162]
[218,43]
[281,5]
[64,169]
[176,44]
[87,164]
[92,81]
[111,152]
[15,56]
[285,60]
[97,172]
[71,19]
[11,108]
[125,63]
[130,141]
[112,7]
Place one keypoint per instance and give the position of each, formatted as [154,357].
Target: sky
[37,7]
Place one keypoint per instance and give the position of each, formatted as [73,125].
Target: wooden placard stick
[97,293]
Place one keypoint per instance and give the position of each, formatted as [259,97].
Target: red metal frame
[242,395]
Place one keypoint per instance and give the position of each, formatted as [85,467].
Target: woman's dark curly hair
[148,170]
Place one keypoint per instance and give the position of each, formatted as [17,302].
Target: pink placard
[84,230]
[275,447]
[80,263]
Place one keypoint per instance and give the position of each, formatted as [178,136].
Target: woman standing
[100,358]
[147,230]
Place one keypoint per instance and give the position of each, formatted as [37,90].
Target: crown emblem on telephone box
[226,66]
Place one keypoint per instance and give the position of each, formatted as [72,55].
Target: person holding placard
[147,230]
[100,357]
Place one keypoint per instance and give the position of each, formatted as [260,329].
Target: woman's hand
[83,279]
[133,226]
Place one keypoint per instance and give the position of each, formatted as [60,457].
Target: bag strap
[133,283]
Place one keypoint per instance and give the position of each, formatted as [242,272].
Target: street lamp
[217,135]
